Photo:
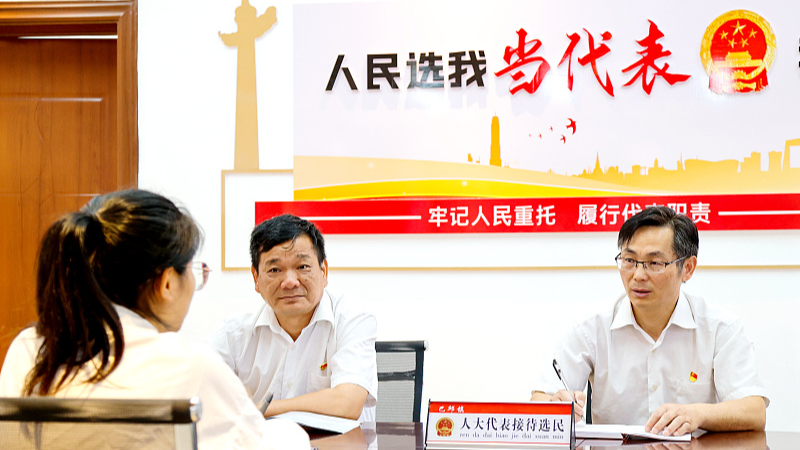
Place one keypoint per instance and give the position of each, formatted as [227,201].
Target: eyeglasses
[654,267]
[201,271]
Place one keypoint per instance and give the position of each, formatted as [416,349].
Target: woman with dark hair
[114,282]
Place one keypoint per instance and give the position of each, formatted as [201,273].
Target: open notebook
[321,421]
[623,432]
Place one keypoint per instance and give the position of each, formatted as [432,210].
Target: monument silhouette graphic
[250,27]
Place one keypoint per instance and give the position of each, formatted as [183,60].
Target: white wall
[490,331]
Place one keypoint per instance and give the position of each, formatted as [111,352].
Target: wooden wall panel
[58,148]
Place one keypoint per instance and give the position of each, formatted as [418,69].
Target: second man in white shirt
[305,346]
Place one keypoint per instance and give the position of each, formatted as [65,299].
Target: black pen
[561,377]
[263,407]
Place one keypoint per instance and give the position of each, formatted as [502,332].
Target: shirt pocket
[317,381]
[695,392]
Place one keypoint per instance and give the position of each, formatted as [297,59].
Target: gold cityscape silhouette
[691,175]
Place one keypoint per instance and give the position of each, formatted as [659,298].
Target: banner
[532,215]
[516,99]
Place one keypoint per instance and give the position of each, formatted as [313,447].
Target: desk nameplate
[453,425]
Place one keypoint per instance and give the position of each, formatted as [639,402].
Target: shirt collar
[324,311]
[623,313]
[682,316]
[130,316]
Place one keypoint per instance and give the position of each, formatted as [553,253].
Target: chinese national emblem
[444,427]
[737,51]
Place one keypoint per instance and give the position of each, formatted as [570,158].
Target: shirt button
[289,384]
[654,387]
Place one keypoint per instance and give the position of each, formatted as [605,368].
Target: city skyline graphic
[694,171]
[330,178]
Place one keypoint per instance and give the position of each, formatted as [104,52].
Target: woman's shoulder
[196,353]
[171,351]
[168,364]
[18,362]
[24,347]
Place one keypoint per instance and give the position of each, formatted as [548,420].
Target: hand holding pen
[568,395]
[265,404]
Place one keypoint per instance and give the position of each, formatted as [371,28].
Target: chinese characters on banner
[534,215]
[652,51]
[425,74]
[452,423]
[427,71]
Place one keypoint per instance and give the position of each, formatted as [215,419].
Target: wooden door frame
[120,18]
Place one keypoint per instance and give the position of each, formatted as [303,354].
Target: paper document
[626,432]
[321,421]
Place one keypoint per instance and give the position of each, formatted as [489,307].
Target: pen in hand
[564,382]
[263,406]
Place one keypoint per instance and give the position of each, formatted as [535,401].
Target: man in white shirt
[661,358]
[306,347]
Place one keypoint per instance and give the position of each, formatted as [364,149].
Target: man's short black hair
[685,241]
[280,229]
